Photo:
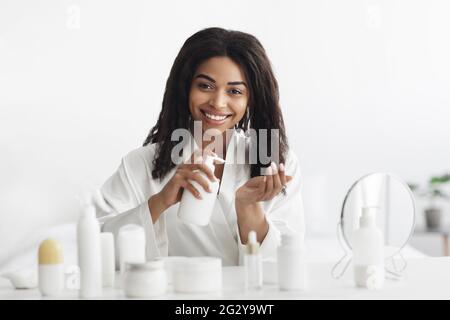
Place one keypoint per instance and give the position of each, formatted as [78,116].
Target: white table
[424,278]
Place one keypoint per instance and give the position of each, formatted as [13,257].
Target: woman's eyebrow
[204,76]
[236,83]
[233,83]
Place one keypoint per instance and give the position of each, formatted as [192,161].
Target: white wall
[364,85]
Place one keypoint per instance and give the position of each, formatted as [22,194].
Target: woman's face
[219,94]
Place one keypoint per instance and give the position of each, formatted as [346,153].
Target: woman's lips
[214,118]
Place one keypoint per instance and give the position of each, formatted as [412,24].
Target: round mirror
[396,209]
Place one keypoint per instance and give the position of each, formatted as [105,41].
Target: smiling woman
[215,100]
[223,82]
[235,59]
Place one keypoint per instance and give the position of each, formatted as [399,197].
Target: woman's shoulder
[139,161]
[138,166]
[291,158]
[292,163]
[140,153]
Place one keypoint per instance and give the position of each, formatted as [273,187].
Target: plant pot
[433,218]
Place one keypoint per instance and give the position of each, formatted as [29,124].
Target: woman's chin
[219,126]
[213,131]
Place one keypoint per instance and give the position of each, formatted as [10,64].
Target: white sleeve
[126,202]
[284,214]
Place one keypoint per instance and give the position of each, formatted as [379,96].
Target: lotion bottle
[89,254]
[368,256]
[198,211]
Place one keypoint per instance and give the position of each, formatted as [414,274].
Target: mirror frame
[411,195]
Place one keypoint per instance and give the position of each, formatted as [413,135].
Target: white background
[364,87]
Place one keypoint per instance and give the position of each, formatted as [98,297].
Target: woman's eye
[235,91]
[204,86]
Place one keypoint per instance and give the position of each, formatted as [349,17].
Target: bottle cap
[368,216]
[252,243]
[209,160]
[89,211]
[189,264]
[50,252]
[149,265]
[291,238]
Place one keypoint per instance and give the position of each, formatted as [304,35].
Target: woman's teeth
[214,117]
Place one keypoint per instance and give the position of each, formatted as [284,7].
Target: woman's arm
[250,214]
[251,217]
[125,193]
[273,215]
[156,207]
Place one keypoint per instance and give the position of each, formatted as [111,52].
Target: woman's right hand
[185,173]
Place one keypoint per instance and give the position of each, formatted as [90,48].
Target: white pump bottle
[368,256]
[198,211]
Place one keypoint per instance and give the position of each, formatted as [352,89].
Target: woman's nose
[218,101]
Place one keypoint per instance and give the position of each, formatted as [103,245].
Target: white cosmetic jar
[170,263]
[198,275]
[144,280]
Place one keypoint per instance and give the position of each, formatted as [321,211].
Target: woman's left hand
[263,188]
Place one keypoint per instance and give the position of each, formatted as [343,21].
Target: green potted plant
[433,192]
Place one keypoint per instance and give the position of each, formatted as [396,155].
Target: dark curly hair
[264,109]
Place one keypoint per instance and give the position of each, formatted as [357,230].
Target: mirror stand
[396,220]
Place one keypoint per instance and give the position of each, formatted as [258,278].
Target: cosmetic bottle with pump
[89,253]
[51,268]
[368,256]
[253,263]
[198,211]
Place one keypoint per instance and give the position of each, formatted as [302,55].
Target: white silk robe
[127,191]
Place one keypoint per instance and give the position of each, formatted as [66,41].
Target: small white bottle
[89,254]
[108,259]
[131,245]
[368,256]
[51,268]
[291,263]
[253,263]
[198,211]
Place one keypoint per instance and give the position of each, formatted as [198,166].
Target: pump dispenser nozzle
[252,243]
[368,216]
[209,159]
[253,263]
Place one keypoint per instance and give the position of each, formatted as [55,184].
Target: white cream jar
[197,275]
[170,264]
[144,280]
